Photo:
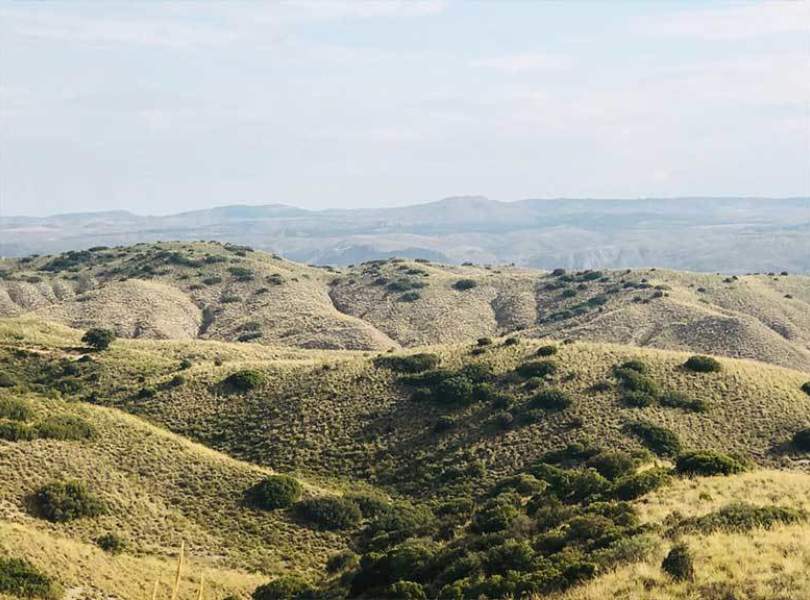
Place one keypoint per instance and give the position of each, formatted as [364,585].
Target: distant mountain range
[701,234]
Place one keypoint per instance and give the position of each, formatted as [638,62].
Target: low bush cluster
[65,501]
[741,516]
[412,363]
[243,381]
[708,462]
[330,513]
[274,492]
[20,578]
[703,364]
[660,440]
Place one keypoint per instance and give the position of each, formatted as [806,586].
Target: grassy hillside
[564,464]
[223,292]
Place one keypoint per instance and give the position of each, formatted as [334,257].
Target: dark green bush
[485,341]
[660,440]
[20,578]
[679,563]
[6,380]
[112,543]
[551,399]
[14,431]
[329,512]
[511,341]
[494,515]
[99,338]
[370,505]
[549,350]
[636,485]
[741,516]
[342,561]
[801,440]
[633,381]
[464,284]
[410,297]
[64,501]
[537,368]
[636,365]
[637,399]
[413,363]
[244,381]
[703,364]
[612,464]
[405,590]
[241,273]
[454,390]
[286,587]
[15,409]
[678,400]
[444,423]
[64,427]
[274,492]
[708,462]
[806,388]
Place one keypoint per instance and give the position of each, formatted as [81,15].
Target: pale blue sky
[161,107]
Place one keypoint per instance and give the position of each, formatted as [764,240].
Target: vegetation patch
[330,513]
[64,427]
[708,462]
[15,409]
[98,338]
[465,284]
[703,364]
[65,501]
[243,381]
[679,563]
[537,368]
[801,440]
[274,492]
[413,363]
[552,399]
[660,440]
[741,516]
[20,578]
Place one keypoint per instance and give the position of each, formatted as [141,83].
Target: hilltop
[175,290]
[733,235]
[456,462]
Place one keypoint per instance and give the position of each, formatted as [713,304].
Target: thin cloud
[518,63]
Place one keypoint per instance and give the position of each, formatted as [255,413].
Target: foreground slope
[508,463]
[224,292]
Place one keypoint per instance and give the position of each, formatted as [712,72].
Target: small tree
[275,491]
[99,338]
[59,502]
[679,563]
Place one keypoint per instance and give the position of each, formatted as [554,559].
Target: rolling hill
[564,464]
[173,290]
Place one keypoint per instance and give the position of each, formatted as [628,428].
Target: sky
[160,107]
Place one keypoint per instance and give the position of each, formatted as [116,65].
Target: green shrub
[636,485]
[801,440]
[241,273]
[64,501]
[703,364]
[410,297]
[98,338]
[275,491]
[370,505]
[612,464]
[637,399]
[444,423]
[684,402]
[739,517]
[549,350]
[14,431]
[708,462]
[633,381]
[551,399]
[486,341]
[464,284]
[112,543]
[660,440]
[244,381]
[413,363]
[494,515]
[679,563]
[64,427]
[342,561]
[454,390]
[185,364]
[15,409]
[6,380]
[214,280]
[537,368]
[330,513]
[405,590]
[286,587]
[806,388]
[636,365]
[20,578]
[511,341]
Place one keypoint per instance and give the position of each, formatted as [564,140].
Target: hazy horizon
[164,108]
